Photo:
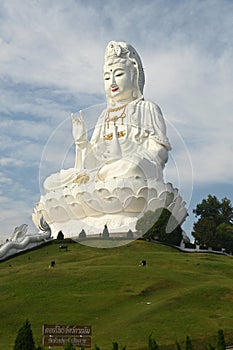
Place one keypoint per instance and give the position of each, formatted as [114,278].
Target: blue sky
[51,58]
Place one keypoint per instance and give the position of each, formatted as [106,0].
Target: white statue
[118,173]
[22,241]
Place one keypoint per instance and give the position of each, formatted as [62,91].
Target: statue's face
[119,81]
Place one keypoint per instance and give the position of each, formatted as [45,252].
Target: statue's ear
[135,93]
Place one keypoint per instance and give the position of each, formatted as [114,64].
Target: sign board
[59,340]
[66,330]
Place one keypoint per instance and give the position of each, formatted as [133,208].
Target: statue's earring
[135,93]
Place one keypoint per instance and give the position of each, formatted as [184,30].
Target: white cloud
[4,179]
[11,161]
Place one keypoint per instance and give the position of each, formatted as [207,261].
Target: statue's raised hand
[79,129]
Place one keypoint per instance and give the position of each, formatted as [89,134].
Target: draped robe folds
[141,150]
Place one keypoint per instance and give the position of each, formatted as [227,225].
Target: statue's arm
[158,142]
[79,132]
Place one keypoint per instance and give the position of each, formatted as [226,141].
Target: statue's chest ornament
[113,120]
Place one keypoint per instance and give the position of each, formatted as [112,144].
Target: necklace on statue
[116,117]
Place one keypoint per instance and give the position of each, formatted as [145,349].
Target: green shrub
[115,346]
[24,339]
[188,344]
[152,343]
[69,346]
[221,345]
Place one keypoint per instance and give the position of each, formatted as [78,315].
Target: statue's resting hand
[79,129]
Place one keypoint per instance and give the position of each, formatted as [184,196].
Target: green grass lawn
[175,295]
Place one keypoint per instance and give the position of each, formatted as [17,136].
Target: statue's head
[123,73]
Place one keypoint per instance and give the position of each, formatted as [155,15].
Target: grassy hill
[175,295]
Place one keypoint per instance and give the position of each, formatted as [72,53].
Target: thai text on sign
[66,330]
[59,340]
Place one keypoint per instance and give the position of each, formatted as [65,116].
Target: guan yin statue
[118,172]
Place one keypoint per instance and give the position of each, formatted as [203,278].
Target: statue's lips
[115,89]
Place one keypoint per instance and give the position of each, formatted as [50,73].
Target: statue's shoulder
[149,106]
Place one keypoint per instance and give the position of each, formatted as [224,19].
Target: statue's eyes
[106,78]
[119,74]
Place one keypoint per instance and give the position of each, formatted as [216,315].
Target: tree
[145,223]
[152,343]
[212,214]
[115,346]
[188,344]
[224,236]
[24,339]
[160,225]
[205,231]
[69,346]
[226,212]
[219,211]
[208,208]
[221,345]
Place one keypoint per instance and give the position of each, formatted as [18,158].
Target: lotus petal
[50,203]
[167,197]
[123,193]
[181,215]
[95,204]
[134,204]
[83,196]
[69,198]
[112,205]
[77,211]
[178,205]
[169,187]
[155,203]
[36,219]
[171,206]
[147,193]
[102,193]
[58,214]
[46,216]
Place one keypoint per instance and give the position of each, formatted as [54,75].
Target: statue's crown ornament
[116,49]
